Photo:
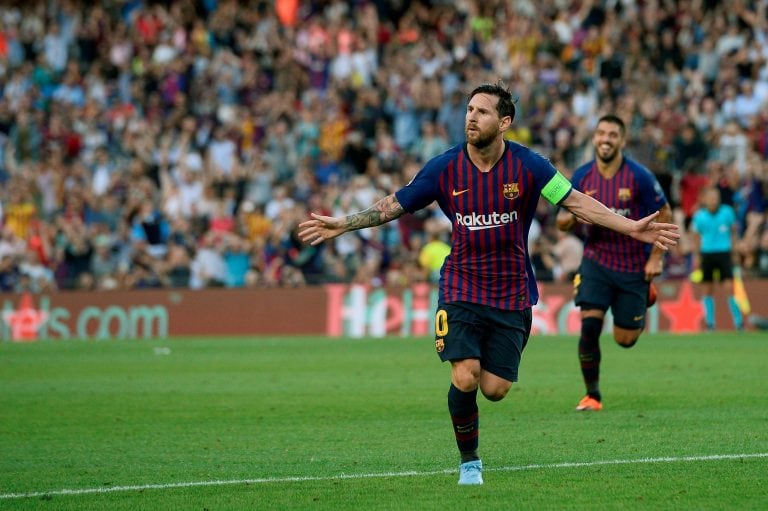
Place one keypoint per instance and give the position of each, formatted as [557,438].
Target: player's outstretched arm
[322,228]
[660,234]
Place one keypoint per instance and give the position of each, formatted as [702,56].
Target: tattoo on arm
[383,211]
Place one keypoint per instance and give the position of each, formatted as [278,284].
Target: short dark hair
[506,104]
[614,119]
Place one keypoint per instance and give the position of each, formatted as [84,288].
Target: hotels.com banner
[162,313]
[333,310]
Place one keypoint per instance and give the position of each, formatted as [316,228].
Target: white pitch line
[409,473]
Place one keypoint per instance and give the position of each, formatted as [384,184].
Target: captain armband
[557,188]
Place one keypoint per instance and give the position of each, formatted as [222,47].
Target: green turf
[99,415]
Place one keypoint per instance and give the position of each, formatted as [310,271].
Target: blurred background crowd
[179,143]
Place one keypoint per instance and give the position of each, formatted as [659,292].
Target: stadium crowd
[179,143]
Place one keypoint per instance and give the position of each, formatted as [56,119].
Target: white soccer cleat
[471,472]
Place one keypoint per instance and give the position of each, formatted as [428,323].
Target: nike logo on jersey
[590,192]
[457,193]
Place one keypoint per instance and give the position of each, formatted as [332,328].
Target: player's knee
[495,392]
[627,340]
[465,375]
[465,381]
[626,337]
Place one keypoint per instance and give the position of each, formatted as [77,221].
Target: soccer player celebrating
[488,188]
[616,271]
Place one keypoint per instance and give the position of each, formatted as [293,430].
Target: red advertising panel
[333,310]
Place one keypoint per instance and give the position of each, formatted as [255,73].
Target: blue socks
[738,319]
[709,311]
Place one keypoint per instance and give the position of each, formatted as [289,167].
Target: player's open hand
[320,228]
[659,234]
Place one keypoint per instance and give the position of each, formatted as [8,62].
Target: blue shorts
[626,294]
[496,337]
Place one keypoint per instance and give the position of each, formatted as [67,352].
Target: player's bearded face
[607,152]
[608,142]
[481,124]
[478,136]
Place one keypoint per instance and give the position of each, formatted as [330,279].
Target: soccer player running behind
[616,271]
[489,188]
[714,230]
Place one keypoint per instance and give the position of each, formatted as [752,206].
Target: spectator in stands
[104,264]
[566,250]
[433,253]
[237,260]
[451,118]
[429,143]
[208,266]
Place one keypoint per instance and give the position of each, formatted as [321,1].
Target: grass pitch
[317,423]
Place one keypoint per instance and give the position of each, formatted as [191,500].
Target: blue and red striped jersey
[491,214]
[634,193]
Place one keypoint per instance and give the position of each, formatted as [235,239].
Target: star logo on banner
[25,321]
[684,314]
